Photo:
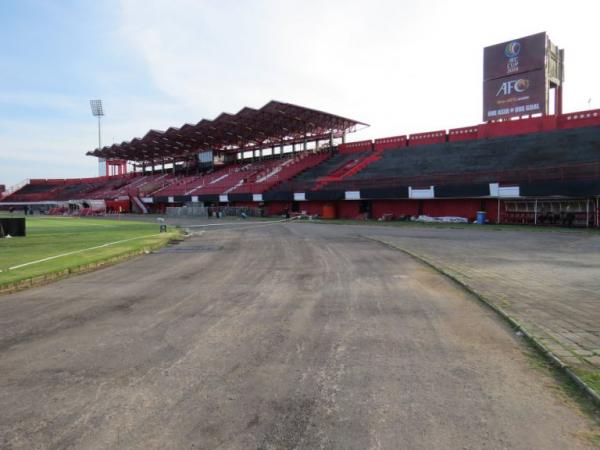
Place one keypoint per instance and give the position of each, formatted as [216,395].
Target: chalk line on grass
[79,251]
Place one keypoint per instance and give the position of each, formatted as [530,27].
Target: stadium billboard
[515,57]
[517,95]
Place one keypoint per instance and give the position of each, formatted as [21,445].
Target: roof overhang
[273,124]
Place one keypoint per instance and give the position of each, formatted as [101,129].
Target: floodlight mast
[98,112]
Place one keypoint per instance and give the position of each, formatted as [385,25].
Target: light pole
[98,111]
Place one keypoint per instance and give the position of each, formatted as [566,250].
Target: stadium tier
[498,167]
[564,154]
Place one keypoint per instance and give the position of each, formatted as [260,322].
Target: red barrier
[431,137]
[482,131]
[463,134]
[517,127]
[390,142]
[354,147]
[579,119]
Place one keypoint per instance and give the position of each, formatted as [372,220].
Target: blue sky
[400,66]
[55,57]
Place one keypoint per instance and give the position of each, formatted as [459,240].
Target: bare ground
[274,336]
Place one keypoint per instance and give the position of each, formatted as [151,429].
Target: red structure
[356,147]
[351,180]
[524,164]
[486,130]
[275,125]
[390,142]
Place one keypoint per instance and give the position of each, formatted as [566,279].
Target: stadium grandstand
[283,157]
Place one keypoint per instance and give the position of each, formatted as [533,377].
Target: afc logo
[508,87]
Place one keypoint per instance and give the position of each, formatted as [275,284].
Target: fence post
[587,212]
[498,216]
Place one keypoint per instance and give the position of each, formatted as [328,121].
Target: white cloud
[401,66]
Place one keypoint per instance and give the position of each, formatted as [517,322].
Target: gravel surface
[272,336]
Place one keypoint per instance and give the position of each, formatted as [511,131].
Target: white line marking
[80,251]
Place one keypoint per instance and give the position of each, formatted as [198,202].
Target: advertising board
[514,57]
[518,95]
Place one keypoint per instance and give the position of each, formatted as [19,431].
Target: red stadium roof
[274,124]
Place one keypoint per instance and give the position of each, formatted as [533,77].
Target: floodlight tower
[98,111]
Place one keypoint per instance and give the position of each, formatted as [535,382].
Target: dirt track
[275,336]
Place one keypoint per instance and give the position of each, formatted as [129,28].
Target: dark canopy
[274,124]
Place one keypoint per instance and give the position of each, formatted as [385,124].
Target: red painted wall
[348,209]
[398,208]
[312,207]
[114,205]
[277,208]
[491,208]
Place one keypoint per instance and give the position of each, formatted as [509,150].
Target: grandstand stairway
[348,169]
[139,204]
[280,172]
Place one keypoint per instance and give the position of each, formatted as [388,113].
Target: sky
[401,66]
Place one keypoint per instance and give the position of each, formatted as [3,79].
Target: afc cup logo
[512,49]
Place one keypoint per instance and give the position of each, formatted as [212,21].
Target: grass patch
[49,236]
[591,378]
[455,226]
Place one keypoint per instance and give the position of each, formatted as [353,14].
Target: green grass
[456,226]
[591,378]
[50,236]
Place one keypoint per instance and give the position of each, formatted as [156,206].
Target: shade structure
[276,123]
